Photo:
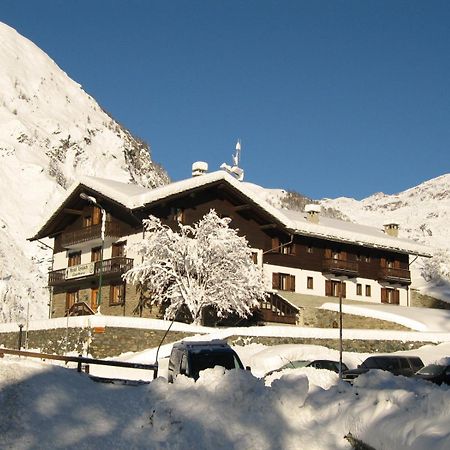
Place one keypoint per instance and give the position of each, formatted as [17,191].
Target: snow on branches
[207,264]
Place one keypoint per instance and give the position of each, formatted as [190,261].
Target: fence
[80,360]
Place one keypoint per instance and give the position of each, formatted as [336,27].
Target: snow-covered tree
[207,264]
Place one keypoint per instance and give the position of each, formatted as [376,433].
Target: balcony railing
[395,275]
[70,238]
[111,266]
[340,267]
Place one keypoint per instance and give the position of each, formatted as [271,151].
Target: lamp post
[93,200]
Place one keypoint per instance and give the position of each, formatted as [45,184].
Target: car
[189,358]
[396,364]
[436,373]
[316,363]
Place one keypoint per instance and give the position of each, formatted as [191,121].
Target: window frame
[121,290]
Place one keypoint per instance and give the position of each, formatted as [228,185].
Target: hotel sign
[81,270]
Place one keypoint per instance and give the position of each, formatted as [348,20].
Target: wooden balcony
[340,267]
[395,275]
[91,233]
[111,266]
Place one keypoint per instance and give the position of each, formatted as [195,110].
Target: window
[283,282]
[96,254]
[118,249]
[358,257]
[255,257]
[310,249]
[71,298]
[74,259]
[87,221]
[358,289]
[117,294]
[333,288]
[310,283]
[179,216]
[367,259]
[368,290]
[390,295]
[286,247]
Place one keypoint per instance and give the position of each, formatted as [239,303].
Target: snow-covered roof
[352,233]
[132,196]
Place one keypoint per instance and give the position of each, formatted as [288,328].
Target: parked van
[190,357]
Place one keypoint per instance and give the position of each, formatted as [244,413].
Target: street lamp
[93,200]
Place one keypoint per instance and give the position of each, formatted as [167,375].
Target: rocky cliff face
[51,133]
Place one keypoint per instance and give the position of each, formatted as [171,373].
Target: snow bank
[51,407]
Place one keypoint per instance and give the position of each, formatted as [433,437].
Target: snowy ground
[50,406]
[54,407]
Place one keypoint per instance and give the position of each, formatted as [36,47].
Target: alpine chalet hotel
[303,254]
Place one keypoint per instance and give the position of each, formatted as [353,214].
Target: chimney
[391,228]
[312,212]
[199,168]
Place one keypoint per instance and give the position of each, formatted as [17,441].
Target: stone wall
[425,301]
[125,309]
[322,318]
[98,342]
[349,345]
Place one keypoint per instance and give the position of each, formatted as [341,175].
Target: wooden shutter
[343,256]
[344,289]
[383,262]
[397,297]
[275,244]
[397,264]
[328,253]
[328,290]
[291,283]
[275,281]
[96,215]
[384,295]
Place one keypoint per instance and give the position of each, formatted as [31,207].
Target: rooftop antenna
[235,170]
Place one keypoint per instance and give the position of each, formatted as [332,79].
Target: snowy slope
[51,132]
[423,213]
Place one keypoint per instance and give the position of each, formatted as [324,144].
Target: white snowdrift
[51,407]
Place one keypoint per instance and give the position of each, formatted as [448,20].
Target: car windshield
[209,359]
[295,364]
[432,369]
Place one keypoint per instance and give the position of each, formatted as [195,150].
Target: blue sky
[329,98]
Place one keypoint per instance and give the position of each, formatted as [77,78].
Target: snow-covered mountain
[423,213]
[51,132]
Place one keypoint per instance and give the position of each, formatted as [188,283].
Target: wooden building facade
[294,257]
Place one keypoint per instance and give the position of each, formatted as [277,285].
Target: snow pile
[52,407]
[52,132]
